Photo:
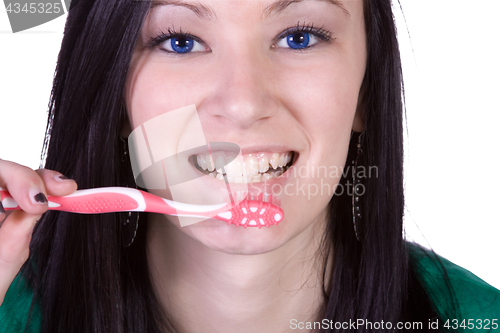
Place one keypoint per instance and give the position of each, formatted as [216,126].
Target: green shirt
[16,307]
[477,302]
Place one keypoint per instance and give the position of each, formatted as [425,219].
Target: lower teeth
[261,177]
[271,173]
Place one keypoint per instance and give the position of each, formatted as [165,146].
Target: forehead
[208,9]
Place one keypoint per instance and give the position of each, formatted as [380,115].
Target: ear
[358,124]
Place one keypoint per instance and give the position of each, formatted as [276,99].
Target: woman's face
[278,78]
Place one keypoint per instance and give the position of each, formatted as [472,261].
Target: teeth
[209,163]
[253,168]
[275,174]
[274,160]
[263,164]
[219,160]
[198,160]
[281,161]
[203,163]
[235,168]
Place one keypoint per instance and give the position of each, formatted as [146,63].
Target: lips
[249,168]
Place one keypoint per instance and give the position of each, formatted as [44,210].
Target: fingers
[25,186]
[15,237]
[29,189]
[56,183]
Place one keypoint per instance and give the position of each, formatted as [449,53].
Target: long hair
[373,279]
[81,274]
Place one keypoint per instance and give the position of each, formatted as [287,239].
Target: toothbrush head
[255,211]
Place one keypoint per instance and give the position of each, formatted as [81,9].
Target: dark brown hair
[86,280]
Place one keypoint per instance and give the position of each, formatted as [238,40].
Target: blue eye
[298,40]
[177,43]
[181,44]
[302,37]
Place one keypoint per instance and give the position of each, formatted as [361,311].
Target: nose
[243,90]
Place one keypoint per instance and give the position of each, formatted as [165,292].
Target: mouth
[248,168]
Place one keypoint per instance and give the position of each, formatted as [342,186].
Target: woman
[123,63]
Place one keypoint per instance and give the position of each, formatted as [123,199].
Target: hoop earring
[356,190]
[124,150]
[129,227]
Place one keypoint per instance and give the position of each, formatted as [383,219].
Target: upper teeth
[248,166]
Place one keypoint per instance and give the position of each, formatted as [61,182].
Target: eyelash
[171,33]
[323,34]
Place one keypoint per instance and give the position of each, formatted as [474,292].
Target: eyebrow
[202,11]
[205,12]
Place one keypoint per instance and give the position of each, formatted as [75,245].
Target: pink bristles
[256,211]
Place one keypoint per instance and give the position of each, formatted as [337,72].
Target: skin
[16,226]
[250,89]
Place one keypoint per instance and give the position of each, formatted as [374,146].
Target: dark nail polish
[41,198]
[60,178]
[2,210]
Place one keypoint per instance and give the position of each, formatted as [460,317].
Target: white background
[452,79]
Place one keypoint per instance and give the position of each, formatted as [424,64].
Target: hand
[29,189]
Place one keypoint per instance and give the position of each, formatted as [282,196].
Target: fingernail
[37,197]
[60,177]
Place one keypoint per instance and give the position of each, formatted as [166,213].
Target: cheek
[323,99]
[154,88]
[148,97]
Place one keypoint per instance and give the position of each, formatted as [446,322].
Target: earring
[129,227]
[124,149]
[357,190]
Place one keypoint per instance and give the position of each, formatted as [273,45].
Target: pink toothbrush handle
[100,200]
[248,213]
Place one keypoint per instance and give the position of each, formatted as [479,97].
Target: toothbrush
[254,212]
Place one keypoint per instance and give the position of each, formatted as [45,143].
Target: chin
[221,237]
